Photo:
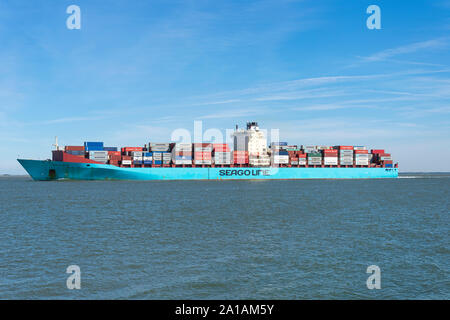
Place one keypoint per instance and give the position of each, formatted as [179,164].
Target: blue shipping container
[388,165]
[282,153]
[109,148]
[75,152]
[279,143]
[148,162]
[93,146]
[157,162]
[137,162]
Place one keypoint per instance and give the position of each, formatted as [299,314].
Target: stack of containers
[157,158]
[222,154]
[114,157]
[166,158]
[159,147]
[301,159]
[330,157]
[202,153]
[93,146]
[293,159]
[314,158]
[376,155]
[361,156]
[280,157]
[240,157]
[293,156]
[75,150]
[137,157]
[182,154]
[99,156]
[147,158]
[259,161]
[126,160]
[346,155]
[386,159]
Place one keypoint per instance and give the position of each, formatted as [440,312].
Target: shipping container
[131,149]
[93,146]
[279,144]
[74,148]
[76,152]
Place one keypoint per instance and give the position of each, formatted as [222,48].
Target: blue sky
[138,70]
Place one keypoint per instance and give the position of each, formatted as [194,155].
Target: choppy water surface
[310,239]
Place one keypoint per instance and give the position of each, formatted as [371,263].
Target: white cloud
[417,46]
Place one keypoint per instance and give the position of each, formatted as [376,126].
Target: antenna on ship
[56,144]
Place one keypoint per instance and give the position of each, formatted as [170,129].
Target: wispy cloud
[72,119]
[417,46]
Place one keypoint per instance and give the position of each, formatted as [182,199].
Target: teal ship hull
[42,170]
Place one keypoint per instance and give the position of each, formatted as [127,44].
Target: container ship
[251,158]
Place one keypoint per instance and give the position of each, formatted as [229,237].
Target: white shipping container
[202,162]
[98,154]
[219,162]
[183,147]
[136,153]
[126,162]
[203,149]
[281,161]
[330,160]
[359,148]
[180,162]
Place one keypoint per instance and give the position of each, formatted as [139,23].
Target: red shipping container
[202,155]
[129,149]
[377,151]
[361,151]
[115,157]
[387,161]
[303,155]
[384,154]
[74,148]
[345,147]
[127,158]
[330,151]
[114,153]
